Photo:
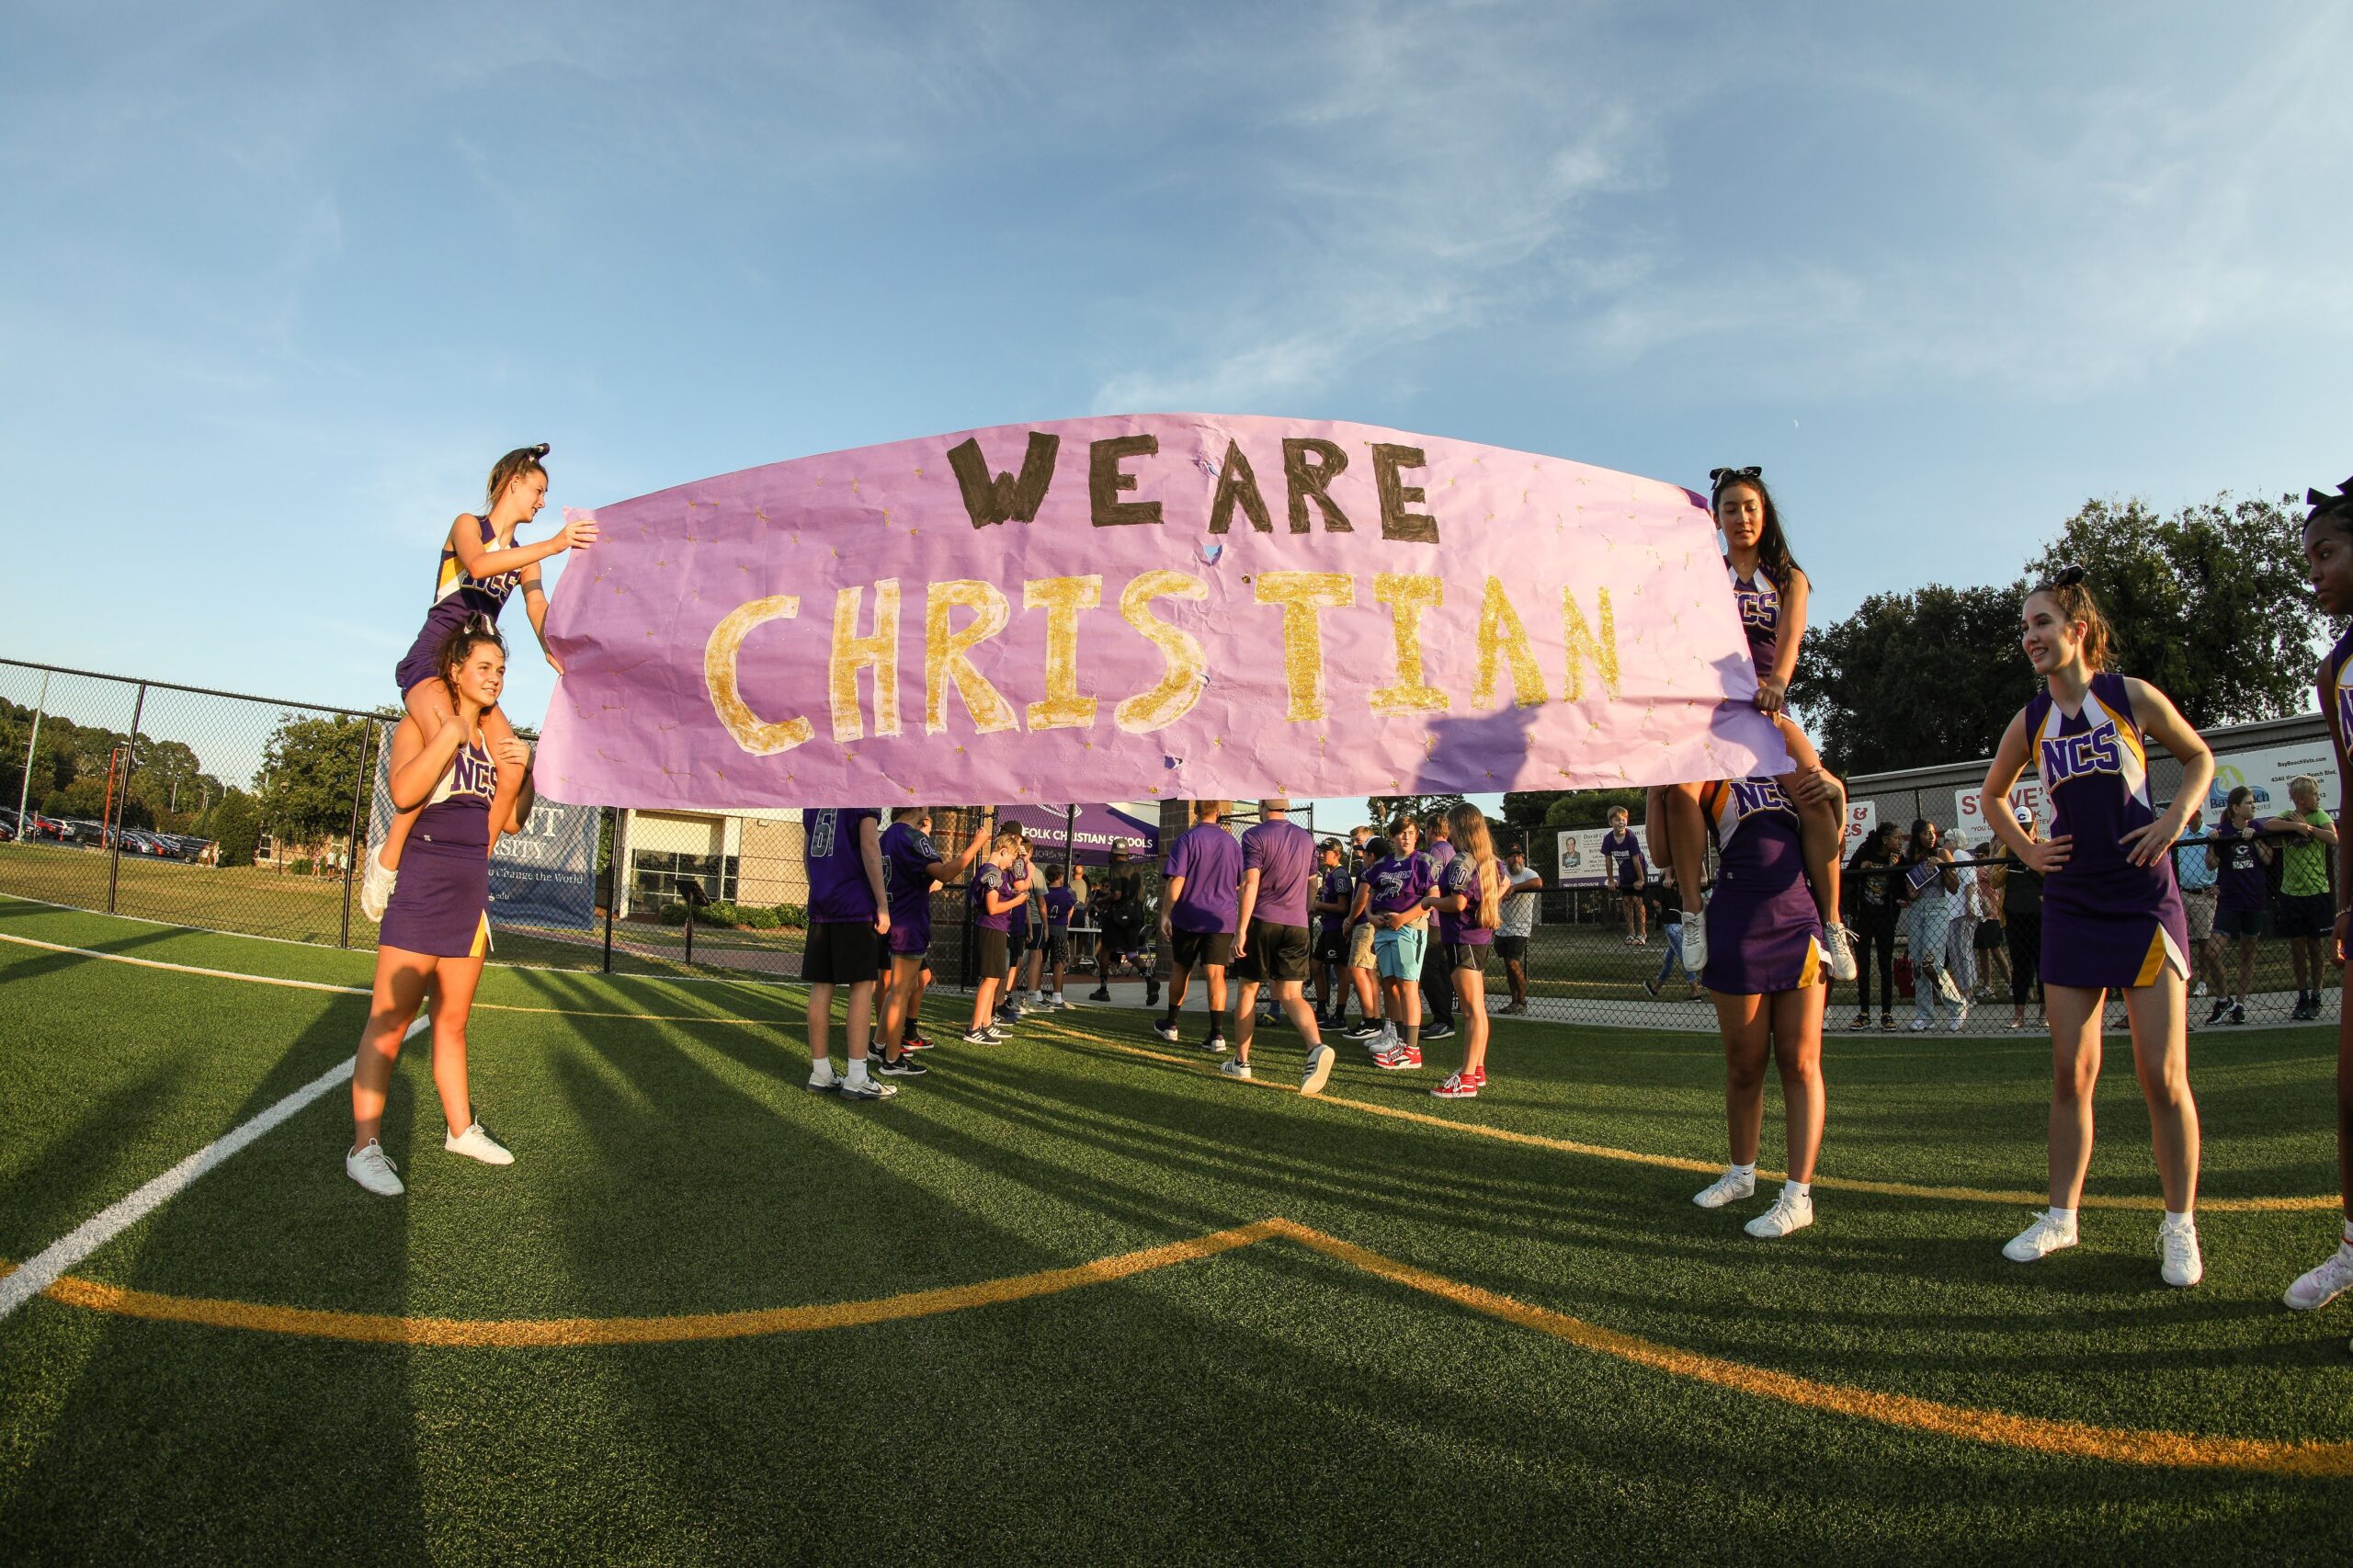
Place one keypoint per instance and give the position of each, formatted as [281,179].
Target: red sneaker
[1458,1087]
[915,1043]
[1398,1059]
[1478,1075]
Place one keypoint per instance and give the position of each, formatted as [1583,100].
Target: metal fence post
[351,851]
[130,763]
[614,819]
[25,789]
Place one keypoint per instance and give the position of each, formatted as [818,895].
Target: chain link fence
[225,811]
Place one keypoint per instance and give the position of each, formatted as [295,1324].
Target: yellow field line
[2037,1434]
[1702,1167]
[363,991]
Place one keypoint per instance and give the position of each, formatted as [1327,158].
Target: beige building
[747,857]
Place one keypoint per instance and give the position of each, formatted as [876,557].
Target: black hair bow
[2330,502]
[1720,477]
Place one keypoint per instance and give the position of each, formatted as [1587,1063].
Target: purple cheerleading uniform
[1623,848]
[2106,922]
[1283,853]
[1763,934]
[1211,862]
[1758,599]
[1459,877]
[457,598]
[908,859]
[441,906]
[838,891]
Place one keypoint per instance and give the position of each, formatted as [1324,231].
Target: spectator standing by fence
[1991,952]
[1519,923]
[2022,924]
[1961,931]
[2193,866]
[2307,912]
[1871,892]
[1930,883]
[2240,858]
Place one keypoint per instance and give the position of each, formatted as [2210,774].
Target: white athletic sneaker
[376,887]
[2177,1245]
[1694,942]
[1319,1068]
[2314,1290]
[867,1088]
[2039,1240]
[1730,1187]
[1919,1025]
[1839,951]
[1791,1211]
[1062,1003]
[476,1144]
[1232,1068]
[372,1168]
[1959,1019]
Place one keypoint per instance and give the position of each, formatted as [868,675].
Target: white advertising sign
[1862,817]
[1969,815]
[2268,772]
[1581,856]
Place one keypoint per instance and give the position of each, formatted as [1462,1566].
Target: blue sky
[281,281]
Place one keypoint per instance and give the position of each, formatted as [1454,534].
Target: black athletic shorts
[993,962]
[2306,915]
[1452,956]
[1989,935]
[1512,949]
[1056,946]
[1273,952]
[1330,944]
[1192,949]
[841,952]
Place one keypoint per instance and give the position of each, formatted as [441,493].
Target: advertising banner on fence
[1969,813]
[2268,772]
[1862,817]
[545,875]
[1145,607]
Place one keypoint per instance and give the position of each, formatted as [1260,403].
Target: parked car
[7,832]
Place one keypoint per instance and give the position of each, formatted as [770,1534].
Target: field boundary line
[2041,1435]
[479,1006]
[42,1272]
[1702,1167]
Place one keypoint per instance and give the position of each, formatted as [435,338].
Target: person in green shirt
[2307,908]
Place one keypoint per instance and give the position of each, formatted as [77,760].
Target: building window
[658,877]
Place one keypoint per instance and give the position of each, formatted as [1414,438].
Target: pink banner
[1148,605]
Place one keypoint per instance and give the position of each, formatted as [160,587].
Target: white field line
[67,1251]
[189,969]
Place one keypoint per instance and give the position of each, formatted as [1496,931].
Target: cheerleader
[482,567]
[2328,551]
[1765,969]
[2111,909]
[1772,593]
[437,927]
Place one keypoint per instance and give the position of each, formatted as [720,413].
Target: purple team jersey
[1623,849]
[1339,887]
[1210,863]
[1399,883]
[1459,877]
[1020,919]
[838,891]
[908,859]
[1059,902]
[997,879]
[1284,855]
[1441,852]
[2241,876]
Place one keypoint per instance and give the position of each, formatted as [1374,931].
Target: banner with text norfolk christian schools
[1148,605]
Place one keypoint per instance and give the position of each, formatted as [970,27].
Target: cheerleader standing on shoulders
[2328,550]
[436,928]
[1772,593]
[1765,969]
[482,567]
[2112,917]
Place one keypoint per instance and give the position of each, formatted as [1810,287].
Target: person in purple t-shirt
[1333,887]
[1021,880]
[995,898]
[1200,903]
[1437,986]
[911,867]
[1054,954]
[1279,876]
[1396,896]
[1470,906]
[848,919]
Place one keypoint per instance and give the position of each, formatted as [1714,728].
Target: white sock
[821,1071]
[2181,1221]
[2064,1216]
[1797,1189]
[1746,1172]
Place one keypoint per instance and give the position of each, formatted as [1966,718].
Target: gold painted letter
[1407,594]
[1301,593]
[946,655]
[1062,598]
[1583,644]
[719,655]
[1187,667]
[879,653]
[1500,631]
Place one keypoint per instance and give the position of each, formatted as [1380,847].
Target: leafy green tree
[1591,808]
[309,771]
[2209,604]
[1914,679]
[234,826]
[1419,807]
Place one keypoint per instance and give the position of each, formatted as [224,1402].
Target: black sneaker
[1651,986]
[1364,1028]
[1152,994]
[983,1035]
[1438,1032]
[1215,1045]
[2238,1012]
[1166,1029]
[1100,993]
[906,1066]
[2221,1006]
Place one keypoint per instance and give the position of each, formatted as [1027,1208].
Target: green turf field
[1485,1331]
